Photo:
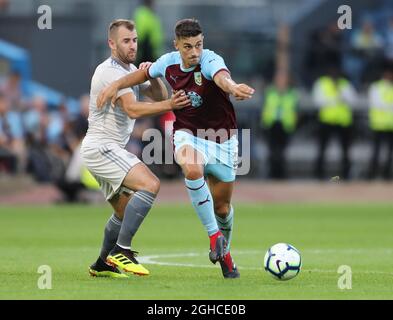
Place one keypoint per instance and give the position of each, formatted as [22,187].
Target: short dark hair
[187,28]
[116,24]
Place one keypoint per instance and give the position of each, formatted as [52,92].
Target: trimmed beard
[125,59]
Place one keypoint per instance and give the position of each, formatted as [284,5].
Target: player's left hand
[145,65]
[242,91]
[108,93]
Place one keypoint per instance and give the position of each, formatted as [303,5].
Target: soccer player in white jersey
[119,172]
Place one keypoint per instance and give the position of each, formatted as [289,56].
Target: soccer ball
[282,261]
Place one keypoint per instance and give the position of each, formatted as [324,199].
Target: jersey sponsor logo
[196,99]
[198,78]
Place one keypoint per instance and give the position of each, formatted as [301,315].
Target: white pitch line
[154,259]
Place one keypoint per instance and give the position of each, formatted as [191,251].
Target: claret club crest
[198,78]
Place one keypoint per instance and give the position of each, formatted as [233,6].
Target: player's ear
[175,44]
[111,44]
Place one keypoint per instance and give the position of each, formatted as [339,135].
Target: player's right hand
[145,65]
[108,93]
[242,91]
[179,100]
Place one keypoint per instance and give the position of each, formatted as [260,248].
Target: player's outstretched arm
[110,92]
[239,91]
[135,109]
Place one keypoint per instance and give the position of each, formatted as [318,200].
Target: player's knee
[152,185]
[119,209]
[155,185]
[192,172]
[120,213]
[222,209]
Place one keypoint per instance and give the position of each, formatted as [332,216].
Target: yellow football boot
[102,269]
[124,259]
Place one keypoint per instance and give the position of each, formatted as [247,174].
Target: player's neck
[186,67]
[119,61]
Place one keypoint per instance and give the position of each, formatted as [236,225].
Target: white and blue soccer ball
[283,261]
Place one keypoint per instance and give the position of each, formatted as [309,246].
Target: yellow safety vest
[280,107]
[149,27]
[338,113]
[382,119]
[88,180]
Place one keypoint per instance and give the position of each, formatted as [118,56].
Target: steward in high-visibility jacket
[279,119]
[381,105]
[150,34]
[334,96]
[380,96]
[280,106]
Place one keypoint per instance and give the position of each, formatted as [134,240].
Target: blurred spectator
[35,120]
[70,182]
[366,52]
[58,134]
[282,47]
[367,40]
[389,41]
[12,91]
[381,122]
[44,132]
[324,48]
[334,95]
[76,178]
[279,117]
[4,4]
[279,58]
[150,34]
[12,146]
[80,124]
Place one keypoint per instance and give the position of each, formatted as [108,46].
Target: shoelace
[130,254]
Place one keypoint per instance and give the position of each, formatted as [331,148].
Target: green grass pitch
[175,248]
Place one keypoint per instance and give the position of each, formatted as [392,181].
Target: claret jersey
[211,107]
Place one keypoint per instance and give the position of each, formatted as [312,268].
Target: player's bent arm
[132,79]
[135,109]
[156,91]
[240,91]
[110,92]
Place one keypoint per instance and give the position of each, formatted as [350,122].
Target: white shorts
[109,164]
[220,159]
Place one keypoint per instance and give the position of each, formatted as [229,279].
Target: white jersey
[109,125]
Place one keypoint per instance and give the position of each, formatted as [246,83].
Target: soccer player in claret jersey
[203,75]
